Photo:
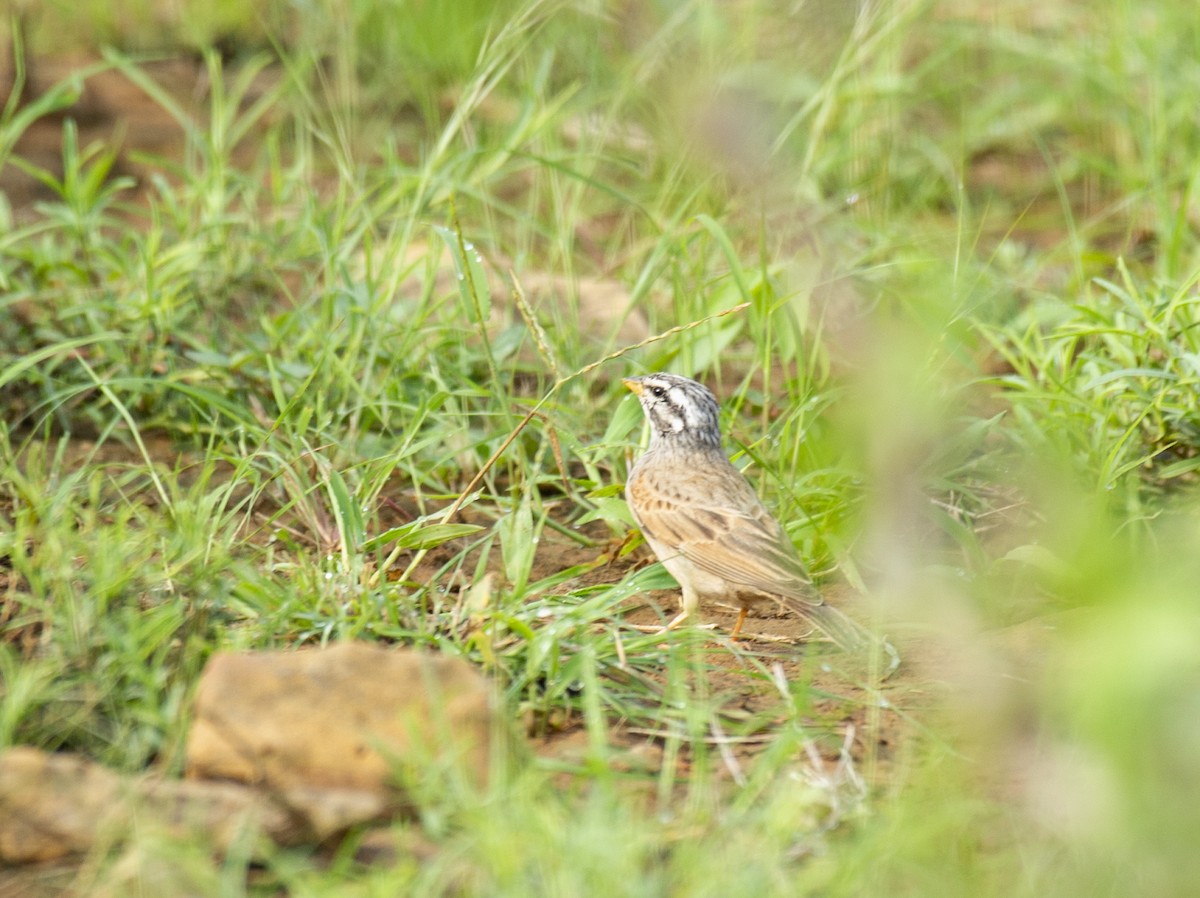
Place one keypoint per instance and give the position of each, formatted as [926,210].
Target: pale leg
[688,601]
[678,619]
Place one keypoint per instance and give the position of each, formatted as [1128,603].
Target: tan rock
[351,716]
[324,737]
[52,806]
[604,307]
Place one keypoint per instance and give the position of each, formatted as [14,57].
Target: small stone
[351,716]
[52,806]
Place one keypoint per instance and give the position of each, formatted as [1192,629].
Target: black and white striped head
[680,411]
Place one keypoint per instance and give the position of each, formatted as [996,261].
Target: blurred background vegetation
[257,306]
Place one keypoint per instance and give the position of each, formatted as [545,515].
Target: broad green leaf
[420,535]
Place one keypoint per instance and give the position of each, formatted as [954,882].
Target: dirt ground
[111,111]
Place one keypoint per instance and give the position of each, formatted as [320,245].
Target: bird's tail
[847,633]
[850,635]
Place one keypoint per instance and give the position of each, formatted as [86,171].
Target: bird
[705,522]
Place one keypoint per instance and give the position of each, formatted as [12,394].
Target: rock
[52,806]
[307,744]
[605,308]
[225,812]
[351,716]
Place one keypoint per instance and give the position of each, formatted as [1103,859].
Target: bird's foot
[660,629]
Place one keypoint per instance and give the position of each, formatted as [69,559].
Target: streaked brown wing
[740,542]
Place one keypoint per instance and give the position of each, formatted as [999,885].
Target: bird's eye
[658,392]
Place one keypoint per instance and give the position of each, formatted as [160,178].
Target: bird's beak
[634,384]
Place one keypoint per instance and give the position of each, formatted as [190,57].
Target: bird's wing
[730,535]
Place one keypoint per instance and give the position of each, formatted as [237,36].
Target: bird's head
[679,409]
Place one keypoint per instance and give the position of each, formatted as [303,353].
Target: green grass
[244,384]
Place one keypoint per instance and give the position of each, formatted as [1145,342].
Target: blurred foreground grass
[966,376]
